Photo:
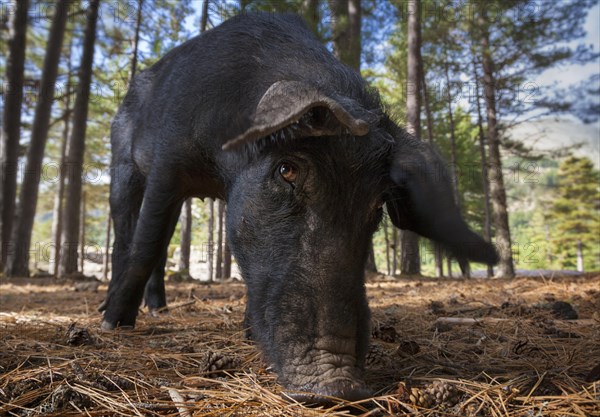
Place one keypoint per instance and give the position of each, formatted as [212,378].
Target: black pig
[259,113]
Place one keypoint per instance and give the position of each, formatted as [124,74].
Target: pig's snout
[326,377]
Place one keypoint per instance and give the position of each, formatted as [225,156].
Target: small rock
[563,310]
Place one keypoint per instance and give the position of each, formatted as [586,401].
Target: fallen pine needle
[179,402]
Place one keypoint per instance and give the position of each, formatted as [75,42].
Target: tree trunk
[18,260]
[136,40]
[60,192]
[394,251]
[579,256]
[453,161]
[371,266]
[76,147]
[387,245]
[226,260]
[186,237]
[410,262]
[11,123]
[453,158]
[310,11]
[487,227]
[220,210]
[204,18]
[210,243]
[346,28]
[107,247]
[82,234]
[497,190]
[226,249]
[437,249]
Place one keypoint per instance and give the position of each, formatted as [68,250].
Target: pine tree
[410,262]
[18,261]
[11,123]
[76,147]
[576,215]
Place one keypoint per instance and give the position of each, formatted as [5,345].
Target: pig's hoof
[157,312]
[108,326]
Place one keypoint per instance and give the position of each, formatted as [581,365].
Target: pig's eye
[288,172]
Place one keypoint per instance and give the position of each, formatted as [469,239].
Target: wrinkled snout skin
[257,112]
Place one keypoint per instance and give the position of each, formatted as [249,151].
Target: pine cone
[78,336]
[421,397]
[377,357]
[215,362]
[443,393]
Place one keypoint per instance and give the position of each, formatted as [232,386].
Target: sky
[568,74]
[568,130]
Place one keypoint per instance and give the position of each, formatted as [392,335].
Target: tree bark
[186,237]
[226,250]
[387,245]
[437,249]
[76,147]
[136,40]
[11,123]
[226,260]
[60,192]
[220,210]
[310,11]
[346,31]
[453,158]
[107,247]
[497,190]
[210,243]
[394,251]
[487,226]
[204,18]
[18,260]
[579,256]
[82,234]
[410,262]
[371,266]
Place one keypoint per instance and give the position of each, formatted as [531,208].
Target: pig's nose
[330,396]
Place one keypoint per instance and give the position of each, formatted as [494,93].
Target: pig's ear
[298,109]
[421,200]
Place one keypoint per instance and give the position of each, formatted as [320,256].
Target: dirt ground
[440,347]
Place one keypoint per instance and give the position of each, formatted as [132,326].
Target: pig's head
[302,209]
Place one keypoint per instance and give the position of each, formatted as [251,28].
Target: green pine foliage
[576,214]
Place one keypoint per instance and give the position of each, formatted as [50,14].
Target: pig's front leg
[162,202]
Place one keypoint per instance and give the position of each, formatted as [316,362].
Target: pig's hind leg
[154,295]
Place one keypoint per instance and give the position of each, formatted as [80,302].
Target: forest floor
[440,347]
